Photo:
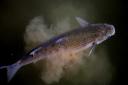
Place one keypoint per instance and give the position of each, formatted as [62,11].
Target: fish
[83,38]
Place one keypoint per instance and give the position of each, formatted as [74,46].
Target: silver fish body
[76,40]
[86,36]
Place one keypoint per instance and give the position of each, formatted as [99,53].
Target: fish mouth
[113,30]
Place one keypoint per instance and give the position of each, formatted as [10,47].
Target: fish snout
[110,30]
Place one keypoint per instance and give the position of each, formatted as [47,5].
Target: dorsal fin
[83,23]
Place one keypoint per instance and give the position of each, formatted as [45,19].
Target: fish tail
[11,70]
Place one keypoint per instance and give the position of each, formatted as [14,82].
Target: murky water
[25,24]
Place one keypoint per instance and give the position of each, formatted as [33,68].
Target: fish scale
[81,39]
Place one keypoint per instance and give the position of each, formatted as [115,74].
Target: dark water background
[15,15]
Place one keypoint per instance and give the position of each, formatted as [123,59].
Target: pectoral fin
[89,50]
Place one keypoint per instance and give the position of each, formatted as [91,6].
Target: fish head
[102,32]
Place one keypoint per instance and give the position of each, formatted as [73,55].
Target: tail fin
[12,69]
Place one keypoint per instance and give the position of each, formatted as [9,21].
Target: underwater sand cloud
[88,70]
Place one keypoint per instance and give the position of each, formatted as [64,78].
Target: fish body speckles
[76,40]
[85,37]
